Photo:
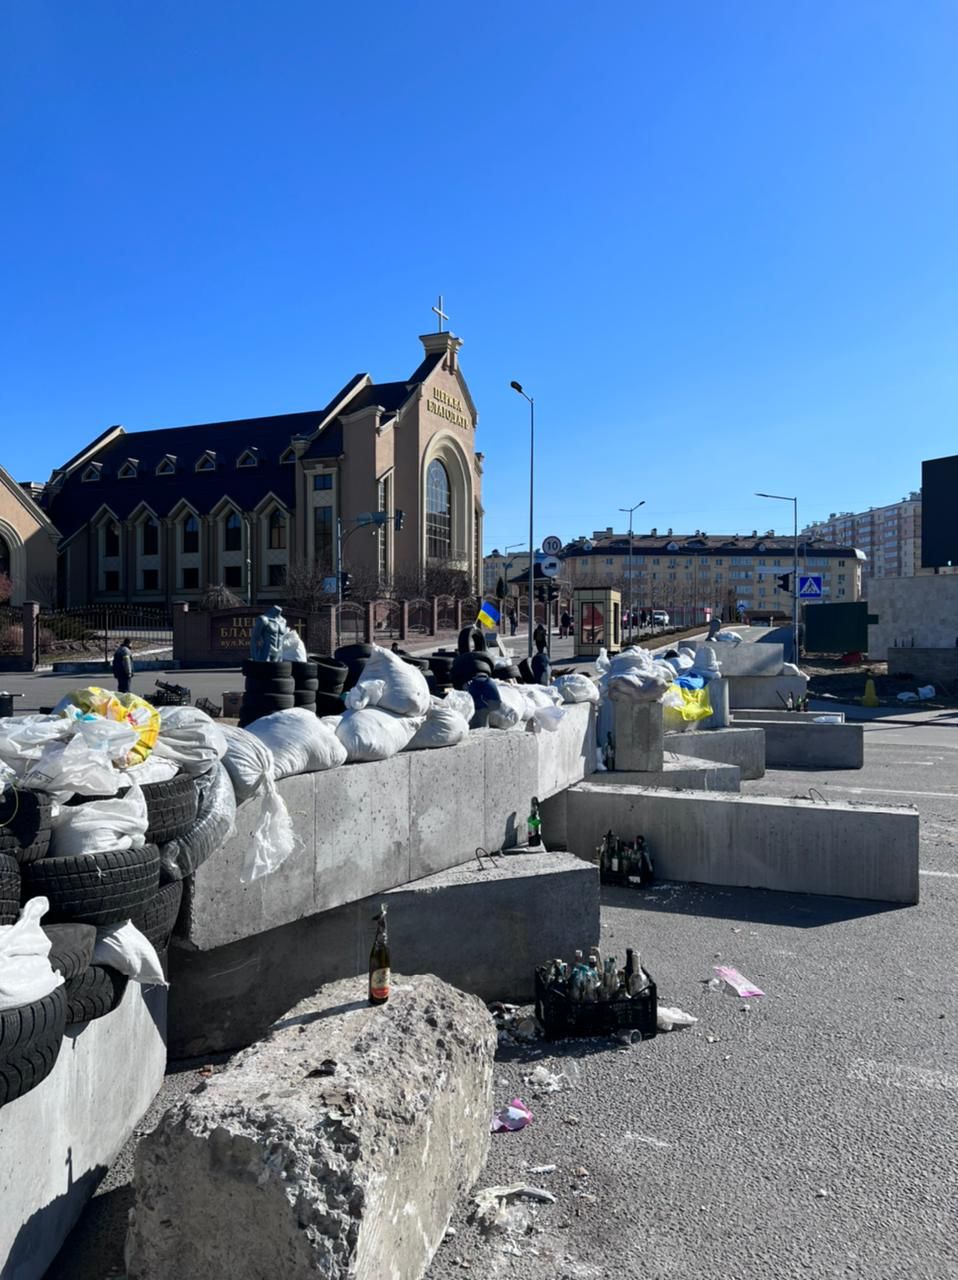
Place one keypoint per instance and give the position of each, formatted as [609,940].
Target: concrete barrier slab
[447,796]
[569,754]
[762,842]
[806,745]
[58,1140]
[748,659]
[531,906]
[764,691]
[747,714]
[744,747]
[511,765]
[684,774]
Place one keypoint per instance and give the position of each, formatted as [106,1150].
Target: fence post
[458,614]
[403,619]
[435,616]
[369,621]
[179,612]
[31,635]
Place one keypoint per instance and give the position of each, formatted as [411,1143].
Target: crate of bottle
[563,1018]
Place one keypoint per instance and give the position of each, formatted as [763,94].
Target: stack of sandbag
[385,708]
[446,722]
[635,676]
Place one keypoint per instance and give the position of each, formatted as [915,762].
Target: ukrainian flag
[488,615]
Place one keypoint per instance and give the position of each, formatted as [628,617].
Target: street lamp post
[517,386]
[630,511]
[778,497]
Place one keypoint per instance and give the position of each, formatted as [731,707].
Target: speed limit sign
[552,545]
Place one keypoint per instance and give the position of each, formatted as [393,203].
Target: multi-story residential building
[505,566]
[889,536]
[687,574]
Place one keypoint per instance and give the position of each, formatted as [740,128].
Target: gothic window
[191,535]
[127,471]
[233,533]
[438,512]
[167,467]
[247,459]
[91,473]
[207,462]
[277,531]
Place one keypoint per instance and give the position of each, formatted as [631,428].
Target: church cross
[440,315]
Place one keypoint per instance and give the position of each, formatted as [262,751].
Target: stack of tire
[331,677]
[440,673]
[472,659]
[269,687]
[305,684]
[355,657]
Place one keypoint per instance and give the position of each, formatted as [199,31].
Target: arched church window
[111,539]
[233,535]
[151,537]
[191,535]
[277,531]
[5,557]
[438,512]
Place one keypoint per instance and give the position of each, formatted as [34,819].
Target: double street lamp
[630,511]
[517,386]
[778,497]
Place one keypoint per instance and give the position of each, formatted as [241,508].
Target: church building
[150,517]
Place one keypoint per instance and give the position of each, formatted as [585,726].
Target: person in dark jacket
[123,666]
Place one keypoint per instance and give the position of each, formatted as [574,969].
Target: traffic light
[541,593]
[784,581]
[345,585]
[553,591]
[397,518]
[500,589]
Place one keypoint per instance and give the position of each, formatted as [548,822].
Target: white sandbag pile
[635,676]
[577,688]
[385,709]
[26,974]
[189,738]
[100,825]
[444,726]
[299,741]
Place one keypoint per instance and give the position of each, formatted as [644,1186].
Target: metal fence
[11,630]
[96,630]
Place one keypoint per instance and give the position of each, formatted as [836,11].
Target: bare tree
[217,596]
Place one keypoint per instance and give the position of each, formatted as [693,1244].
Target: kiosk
[598,620]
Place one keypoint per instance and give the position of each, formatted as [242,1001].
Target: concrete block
[806,745]
[764,691]
[447,796]
[744,747]
[718,699]
[638,736]
[568,755]
[532,906]
[684,774]
[58,1140]
[512,775]
[748,659]
[762,842]
[278,1168]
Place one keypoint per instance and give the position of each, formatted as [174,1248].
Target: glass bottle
[534,826]
[379,976]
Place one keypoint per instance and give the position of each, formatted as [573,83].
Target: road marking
[895,791]
[867,1071]
[947,875]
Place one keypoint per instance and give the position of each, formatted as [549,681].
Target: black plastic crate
[562,1017]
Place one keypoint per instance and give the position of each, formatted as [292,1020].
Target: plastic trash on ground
[300,742]
[668,1018]
[737,981]
[926,691]
[907,696]
[728,637]
[190,739]
[126,708]
[511,1118]
[790,669]
[124,948]
[25,971]
[119,822]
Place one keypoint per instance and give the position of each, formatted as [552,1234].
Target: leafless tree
[217,596]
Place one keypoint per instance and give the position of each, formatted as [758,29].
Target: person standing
[565,625]
[123,666]
[513,621]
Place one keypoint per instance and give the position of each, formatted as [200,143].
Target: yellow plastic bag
[127,708]
[681,706]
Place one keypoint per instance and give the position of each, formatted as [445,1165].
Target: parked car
[660,618]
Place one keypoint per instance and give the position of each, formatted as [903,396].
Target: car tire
[267,670]
[95,888]
[25,824]
[305,698]
[329,705]
[170,808]
[303,671]
[30,1040]
[266,703]
[282,684]
[307,686]
[157,918]
[71,947]
[10,889]
[331,675]
[350,652]
[94,993]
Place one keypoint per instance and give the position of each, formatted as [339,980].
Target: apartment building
[889,536]
[687,574]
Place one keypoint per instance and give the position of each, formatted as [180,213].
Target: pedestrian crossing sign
[810,586]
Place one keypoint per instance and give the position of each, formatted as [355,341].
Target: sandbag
[391,684]
[462,702]
[215,818]
[190,738]
[292,648]
[248,761]
[641,685]
[22,738]
[374,734]
[73,768]
[156,769]
[125,708]
[300,741]
[26,974]
[124,948]
[443,726]
[577,688]
[119,822]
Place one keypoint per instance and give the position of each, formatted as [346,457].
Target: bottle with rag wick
[534,826]
[379,968]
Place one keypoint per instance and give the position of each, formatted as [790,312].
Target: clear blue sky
[717,241]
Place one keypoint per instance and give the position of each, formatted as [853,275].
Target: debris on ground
[504,1210]
[737,981]
[542,1080]
[667,1018]
[512,1024]
[511,1118]
[541,1168]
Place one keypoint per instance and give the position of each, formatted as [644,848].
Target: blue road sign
[810,586]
